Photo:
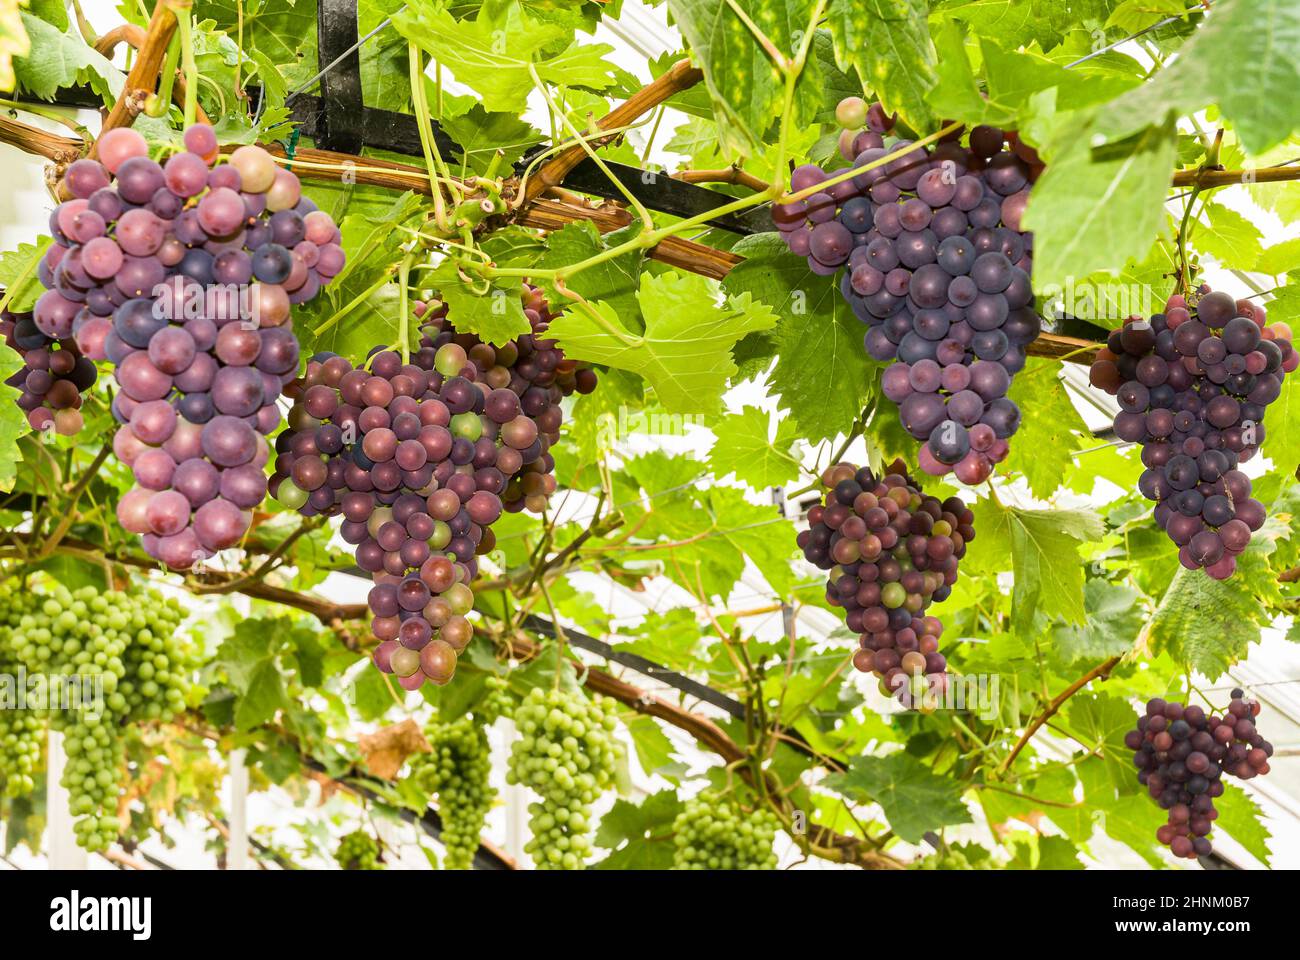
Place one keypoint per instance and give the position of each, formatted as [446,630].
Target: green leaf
[1043,547]
[823,375]
[495,314]
[1100,722]
[743,82]
[914,799]
[640,836]
[1241,818]
[685,351]
[494,54]
[19,277]
[956,94]
[1228,237]
[1044,446]
[284,31]
[1092,209]
[57,59]
[1280,258]
[1114,618]
[613,280]
[1257,88]
[13,422]
[743,449]
[653,748]
[264,698]
[888,41]
[1209,624]
[481,134]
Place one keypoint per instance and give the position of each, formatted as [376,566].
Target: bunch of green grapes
[568,755]
[122,649]
[966,856]
[21,732]
[359,851]
[714,832]
[457,772]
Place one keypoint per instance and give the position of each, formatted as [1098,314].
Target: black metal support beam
[339,120]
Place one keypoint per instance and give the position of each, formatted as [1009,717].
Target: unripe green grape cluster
[21,732]
[358,851]
[954,858]
[714,832]
[568,755]
[125,641]
[457,771]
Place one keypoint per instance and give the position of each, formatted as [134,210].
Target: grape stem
[1100,672]
[187,58]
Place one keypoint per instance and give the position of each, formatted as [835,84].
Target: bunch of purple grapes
[182,275]
[892,551]
[1182,753]
[537,371]
[53,378]
[938,270]
[410,458]
[421,459]
[1193,385]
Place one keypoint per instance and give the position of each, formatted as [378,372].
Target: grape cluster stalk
[133,668]
[891,550]
[182,274]
[420,459]
[937,267]
[713,832]
[53,379]
[1193,384]
[568,755]
[1182,753]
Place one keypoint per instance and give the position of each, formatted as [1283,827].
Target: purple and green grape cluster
[54,377]
[1182,753]
[534,369]
[421,459]
[1193,384]
[182,275]
[892,551]
[937,267]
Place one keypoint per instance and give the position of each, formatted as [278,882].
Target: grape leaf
[58,59]
[1241,818]
[1101,721]
[613,281]
[640,836]
[1092,209]
[1114,618]
[481,135]
[823,375]
[1280,258]
[743,448]
[1228,237]
[1043,547]
[742,80]
[494,54]
[888,41]
[13,422]
[495,314]
[1258,87]
[956,94]
[284,31]
[1044,446]
[18,274]
[685,351]
[1209,624]
[913,798]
